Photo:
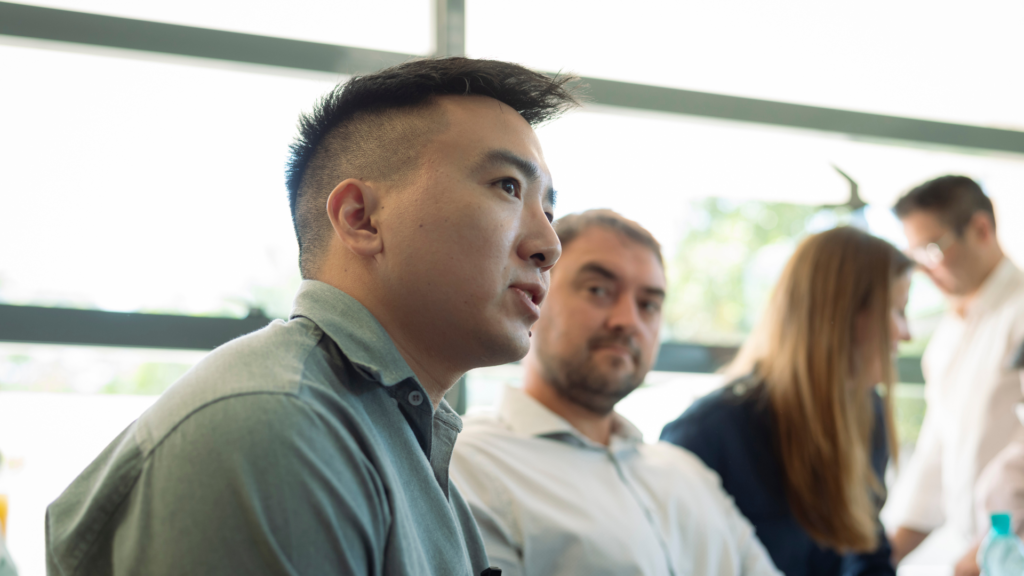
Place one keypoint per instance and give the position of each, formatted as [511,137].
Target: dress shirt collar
[1004,280]
[359,335]
[526,416]
[370,349]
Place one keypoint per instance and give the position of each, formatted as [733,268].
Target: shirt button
[415,397]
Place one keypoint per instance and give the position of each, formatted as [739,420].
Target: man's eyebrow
[503,157]
[655,292]
[595,268]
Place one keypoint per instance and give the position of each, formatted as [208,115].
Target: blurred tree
[726,264]
[150,378]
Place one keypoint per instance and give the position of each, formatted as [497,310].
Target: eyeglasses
[932,254]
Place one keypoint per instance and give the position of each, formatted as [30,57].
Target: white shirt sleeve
[916,502]
[1000,488]
[754,559]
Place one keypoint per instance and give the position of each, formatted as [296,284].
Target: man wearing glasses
[970,387]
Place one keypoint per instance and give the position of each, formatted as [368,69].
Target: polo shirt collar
[528,417]
[354,329]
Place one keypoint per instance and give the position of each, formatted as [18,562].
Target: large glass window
[47,440]
[728,202]
[138,185]
[935,60]
[649,166]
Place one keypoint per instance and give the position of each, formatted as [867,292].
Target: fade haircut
[954,200]
[570,226]
[373,128]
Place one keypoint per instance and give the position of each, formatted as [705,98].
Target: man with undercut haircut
[320,445]
[559,483]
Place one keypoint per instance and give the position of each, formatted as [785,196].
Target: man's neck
[596,427]
[433,375]
[436,382]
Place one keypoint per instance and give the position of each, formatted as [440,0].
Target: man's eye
[551,217]
[598,290]
[651,307]
[509,186]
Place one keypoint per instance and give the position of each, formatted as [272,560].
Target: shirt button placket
[415,397]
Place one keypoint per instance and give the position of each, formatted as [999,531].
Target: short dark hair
[570,226]
[953,199]
[372,127]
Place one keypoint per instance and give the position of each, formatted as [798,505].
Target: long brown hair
[803,351]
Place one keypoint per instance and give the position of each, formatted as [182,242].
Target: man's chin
[498,349]
[615,366]
[518,348]
[601,404]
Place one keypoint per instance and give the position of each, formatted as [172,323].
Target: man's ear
[982,226]
[350,207]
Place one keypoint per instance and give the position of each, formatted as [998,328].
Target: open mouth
[532,292]
[530,297]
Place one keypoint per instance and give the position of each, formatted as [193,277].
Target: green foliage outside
[16,375]
[908,411]
[150,378]
[726,265]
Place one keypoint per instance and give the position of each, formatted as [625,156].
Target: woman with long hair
[801,436]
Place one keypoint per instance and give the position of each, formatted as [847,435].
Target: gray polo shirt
[307,447]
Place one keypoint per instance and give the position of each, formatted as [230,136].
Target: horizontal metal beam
[687,357]
[113,32]
[125,330]
[129,330]
[699,358]
[97,30]
[673,100]
[909,370]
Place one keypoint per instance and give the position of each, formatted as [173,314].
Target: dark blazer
[731,430]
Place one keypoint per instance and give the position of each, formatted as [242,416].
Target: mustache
[615,339]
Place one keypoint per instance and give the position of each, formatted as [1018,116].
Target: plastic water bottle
[1001,553]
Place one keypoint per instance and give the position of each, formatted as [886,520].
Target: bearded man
[561,484]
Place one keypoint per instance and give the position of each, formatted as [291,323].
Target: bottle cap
[1001,523]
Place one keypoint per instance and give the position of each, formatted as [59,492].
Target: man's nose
[625,315]
[539,243]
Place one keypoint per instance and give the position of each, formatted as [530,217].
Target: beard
[588,384]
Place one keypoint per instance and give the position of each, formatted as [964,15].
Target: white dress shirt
[550,501]
[970,392]
[1001,486]
[1001,489]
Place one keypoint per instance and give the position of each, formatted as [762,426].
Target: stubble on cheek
[585,382]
